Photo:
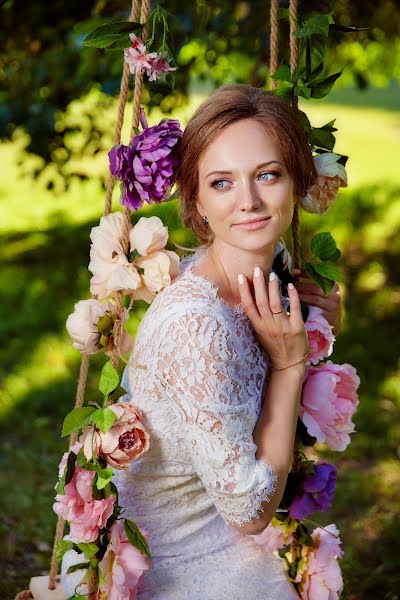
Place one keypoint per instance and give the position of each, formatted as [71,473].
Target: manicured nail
[240,278]
[257,272]
[290,286]
[272,276]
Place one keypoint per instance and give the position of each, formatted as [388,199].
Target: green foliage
[109,379]
[104,418]
[136,538]
[90,549]
[112,35]
[77,419]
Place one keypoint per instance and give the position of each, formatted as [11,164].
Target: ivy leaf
[62,547]
[323,245]
[73,568]
[117,393]
[109,379]
[315,25]
[325,284]
[77,419]
[282,74]
[136,538]
[89,549]
[108,34]
[104,419]
[329,270]
[322,88]
[104,477]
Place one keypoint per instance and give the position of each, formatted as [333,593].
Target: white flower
[82,324]
[112,271]
[160,268]
[331,176]
[148,235]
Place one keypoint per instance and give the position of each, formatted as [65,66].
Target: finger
[296,317]
[261,293]
[247,300]
[309,288]
[319,301]
[275,302]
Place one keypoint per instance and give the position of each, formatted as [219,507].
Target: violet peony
[315,492]
[148,167]
[328,402]
[320,336]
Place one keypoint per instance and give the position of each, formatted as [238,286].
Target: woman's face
[242,178]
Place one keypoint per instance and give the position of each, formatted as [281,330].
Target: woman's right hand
[283,336]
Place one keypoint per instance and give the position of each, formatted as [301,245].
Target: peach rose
[125,441]
[148,235]
[331,176]
[160,268]
[275,536]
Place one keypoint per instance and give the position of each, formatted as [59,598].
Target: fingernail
[290,286]
[272,276]
[240,278]
[257,272]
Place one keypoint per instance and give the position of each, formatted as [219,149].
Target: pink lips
[255,224]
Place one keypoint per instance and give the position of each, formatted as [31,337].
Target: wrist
[295,371]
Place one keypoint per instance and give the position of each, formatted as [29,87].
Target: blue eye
[273,173]
[216,184]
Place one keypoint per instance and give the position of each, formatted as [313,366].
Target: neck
[229,261]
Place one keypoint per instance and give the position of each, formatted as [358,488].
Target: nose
[248,196]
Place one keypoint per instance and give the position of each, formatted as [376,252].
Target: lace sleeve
[203,376]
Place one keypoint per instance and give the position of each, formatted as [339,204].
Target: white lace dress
[197,373]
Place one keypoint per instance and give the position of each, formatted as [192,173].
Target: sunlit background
[44,229]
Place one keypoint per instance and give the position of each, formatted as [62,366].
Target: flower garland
[105,550]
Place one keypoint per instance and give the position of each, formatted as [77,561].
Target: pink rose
[320,574]
[320,336]
[121,567]
[77,506]
[125,441]
[328,402]
[275,536]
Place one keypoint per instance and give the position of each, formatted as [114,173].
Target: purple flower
[148,167]
[316,491]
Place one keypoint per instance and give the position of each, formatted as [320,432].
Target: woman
[222,433]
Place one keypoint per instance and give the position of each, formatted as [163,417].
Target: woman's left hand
[311,293]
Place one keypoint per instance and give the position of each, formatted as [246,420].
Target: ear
[200,207]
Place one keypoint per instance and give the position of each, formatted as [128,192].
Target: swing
[49,587]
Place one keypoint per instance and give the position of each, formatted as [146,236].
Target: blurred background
[57,117]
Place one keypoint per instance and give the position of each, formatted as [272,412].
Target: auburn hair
[228,104]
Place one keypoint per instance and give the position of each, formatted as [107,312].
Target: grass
[44,250]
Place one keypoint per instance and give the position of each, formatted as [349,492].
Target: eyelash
[213,184]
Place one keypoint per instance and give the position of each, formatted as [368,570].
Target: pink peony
[125,441]
[331,176]
[76,505]
[121,567]
[328,402]
[320,336]
[320,575]
[275,536]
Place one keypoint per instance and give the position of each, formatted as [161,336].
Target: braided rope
[273,55]
[125,242]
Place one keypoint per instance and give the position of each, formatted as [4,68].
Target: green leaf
[89,549]
[323,245]
[70,468]
[329,270]
[62,547]
[82,565]
[60,486]
[104,419]
[322,88]
[109,379]
[316,25]
[117,393]
[96,493]
[104,477]
[303,120]
[322,138]
[325,284]
[303,91]
[335,256]
[284,91]
[77,419]
[282,74]
[110,33]
[319,47]
[83,462]
[136,538]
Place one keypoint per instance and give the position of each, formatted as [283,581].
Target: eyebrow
[265,164]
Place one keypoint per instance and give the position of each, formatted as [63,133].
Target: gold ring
[277,313]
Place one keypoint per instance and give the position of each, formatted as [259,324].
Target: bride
[218,362]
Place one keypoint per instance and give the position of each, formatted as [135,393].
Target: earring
[205,220]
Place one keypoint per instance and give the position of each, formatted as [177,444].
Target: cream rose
[160,268]
[331,176]
[148,235]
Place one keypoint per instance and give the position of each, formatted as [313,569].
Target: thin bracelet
[273,368]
